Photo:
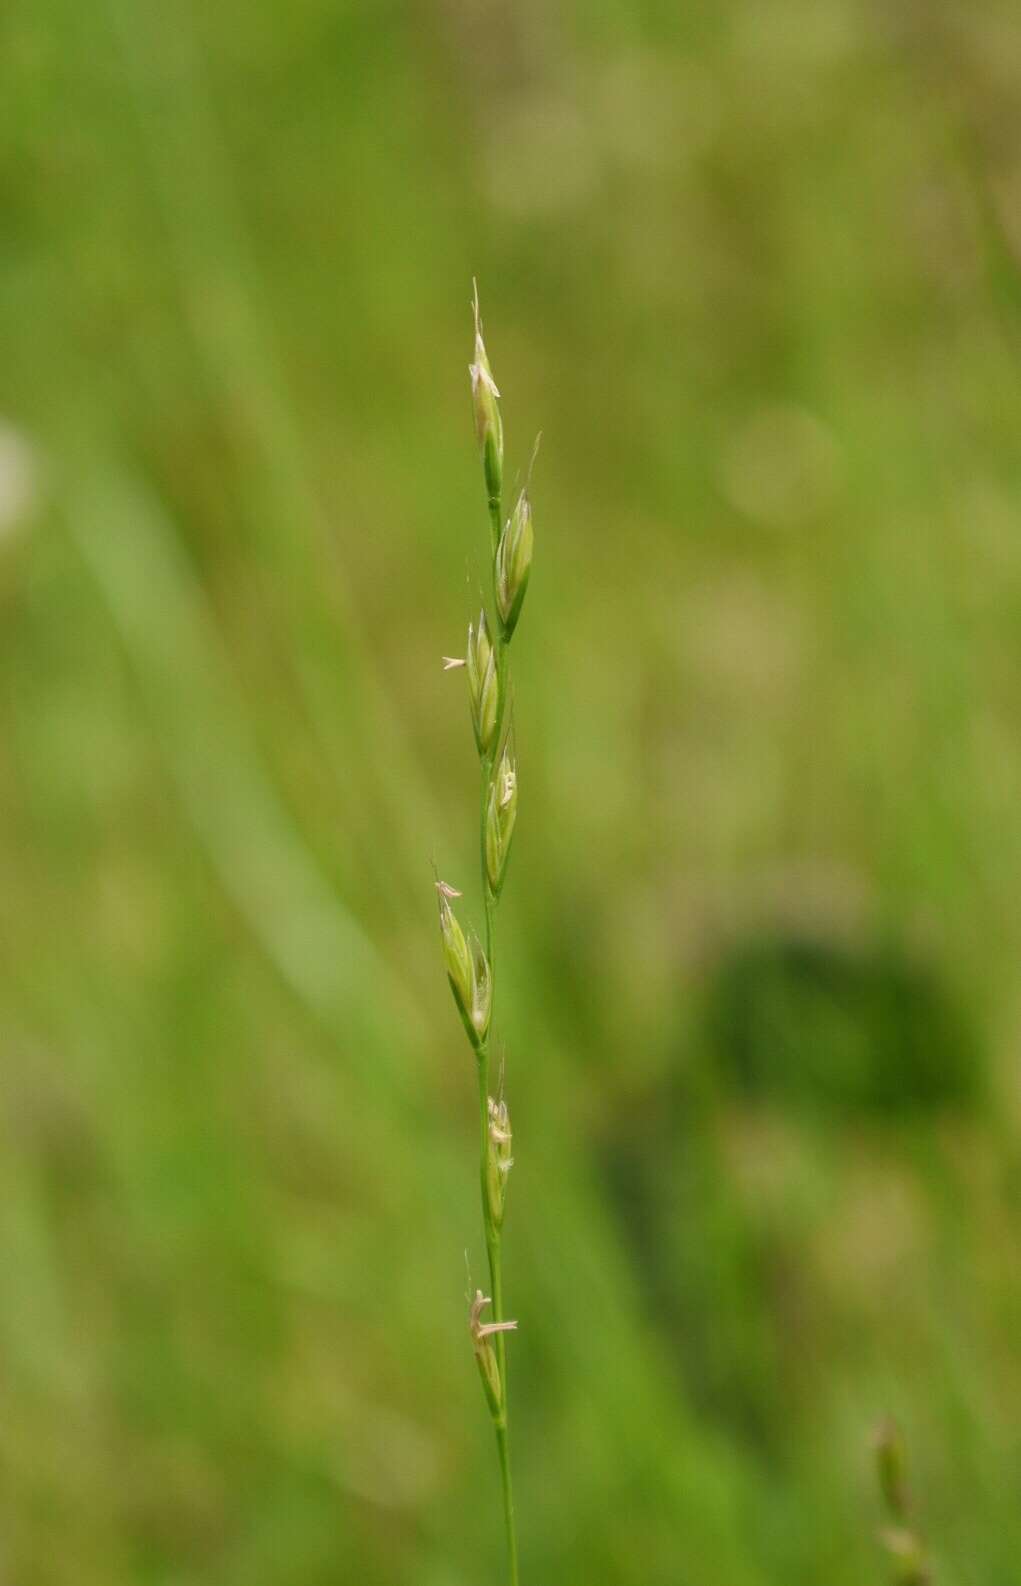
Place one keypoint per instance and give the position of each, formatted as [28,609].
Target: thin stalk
[508,1504]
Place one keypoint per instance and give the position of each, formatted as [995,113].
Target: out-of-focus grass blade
[220,280]
[314,941]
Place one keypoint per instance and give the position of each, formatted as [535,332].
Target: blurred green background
[755,270]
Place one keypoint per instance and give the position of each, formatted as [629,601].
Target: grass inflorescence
[471,961]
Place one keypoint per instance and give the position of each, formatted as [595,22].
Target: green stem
[508,1501]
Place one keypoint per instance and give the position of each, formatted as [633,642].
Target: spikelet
[514,564]
[483,684]
[499,1161]
[485,1354]
[486,404]
[501,813]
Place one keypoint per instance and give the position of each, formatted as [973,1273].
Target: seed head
[482,994]
[486,402]
[460,969]
[483,684]
[501,813]
[485,1354]
[499,1160]
[514,563]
